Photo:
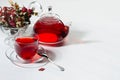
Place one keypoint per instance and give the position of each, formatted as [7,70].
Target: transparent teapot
[50,29]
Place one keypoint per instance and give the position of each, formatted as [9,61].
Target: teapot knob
[49,8]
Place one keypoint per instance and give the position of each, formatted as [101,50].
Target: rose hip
[24,9]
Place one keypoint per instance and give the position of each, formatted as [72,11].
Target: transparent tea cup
[24,52]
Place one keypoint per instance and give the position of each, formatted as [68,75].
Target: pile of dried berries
[15,16]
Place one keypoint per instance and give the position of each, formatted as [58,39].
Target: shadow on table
[76,37]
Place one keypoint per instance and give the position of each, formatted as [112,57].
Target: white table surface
[92,50]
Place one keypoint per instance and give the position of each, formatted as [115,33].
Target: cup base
[37,61]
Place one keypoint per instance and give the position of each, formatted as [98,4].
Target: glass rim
[36,40]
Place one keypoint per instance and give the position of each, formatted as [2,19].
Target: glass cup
[25,52]
[26,47]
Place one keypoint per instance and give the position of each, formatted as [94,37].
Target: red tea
[50,29]
[26,47]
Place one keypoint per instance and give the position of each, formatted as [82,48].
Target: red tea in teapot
[50,29]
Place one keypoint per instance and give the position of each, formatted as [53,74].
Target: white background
[92,49]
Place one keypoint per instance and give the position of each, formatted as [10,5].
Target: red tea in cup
[26,47]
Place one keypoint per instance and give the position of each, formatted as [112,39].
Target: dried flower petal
[15,16]
[41,69]
[30,11]
[11,2]
[12,23]
[24,9]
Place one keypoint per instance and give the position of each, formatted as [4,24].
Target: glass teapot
[50,29]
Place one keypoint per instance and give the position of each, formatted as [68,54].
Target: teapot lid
[50,13]
[49,8]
